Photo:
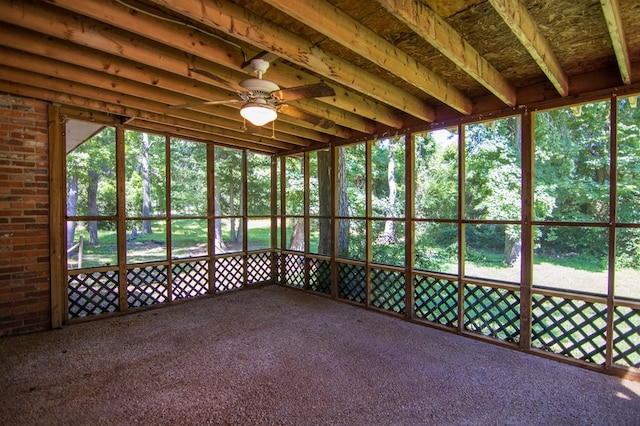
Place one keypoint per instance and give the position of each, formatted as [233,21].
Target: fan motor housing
[258,86]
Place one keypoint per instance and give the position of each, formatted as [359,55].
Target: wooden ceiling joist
[222,61]
[611,10]
[393,65]
[342,28]
[250,28]
[88,104]
[518,19]
[437,32]
[30,78]
[20,38]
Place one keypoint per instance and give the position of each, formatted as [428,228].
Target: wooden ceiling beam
[236,21]
[30,78]
[114,110]
[611,10]
[88,77]
[218,58]
[39,44]
[87,34]
[437,32]
[518,19]
[342,28]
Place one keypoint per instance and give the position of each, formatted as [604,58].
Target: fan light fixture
[258,114]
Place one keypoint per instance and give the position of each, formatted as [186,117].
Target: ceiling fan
[263,99]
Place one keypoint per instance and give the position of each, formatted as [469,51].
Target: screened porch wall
[447,286]
[588,315]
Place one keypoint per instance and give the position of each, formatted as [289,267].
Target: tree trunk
[72,207]
[324,195]
[232,212]
[218,242]
[146,186]
[389,234]
[92,198]
[343,204]
[297,237]
[512,249]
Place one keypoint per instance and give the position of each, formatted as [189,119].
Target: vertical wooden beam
[333,177]
[245,217]
[613,212]
[368,224]
[274,218]
[283,211]
[305,219]
[57,213]
[167,215]
[122,224]
[526,219]
[211,221]
[409,213]
[461,225]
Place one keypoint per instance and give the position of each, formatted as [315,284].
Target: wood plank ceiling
[392,64]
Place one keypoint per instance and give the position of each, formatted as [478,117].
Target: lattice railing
[320,275]
[146,286]
[293,270]
[436,300]
[351,282]
[387,290]
[626,336]
[228,273]
[493,312]
[258,268]
[190,279]
[571,327]
[92,294]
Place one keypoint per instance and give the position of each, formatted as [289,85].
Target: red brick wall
[25,299]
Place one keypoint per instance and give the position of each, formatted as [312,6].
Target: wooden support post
[211,222]
[167,214]
[275,215]
[333,178]
[57,213]
[121,225]
[369,225]
[245,218]
[613,195]
[409,214]
[461,225]
[526,271]
[306,220]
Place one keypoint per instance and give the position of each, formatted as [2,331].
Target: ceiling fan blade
[295,112]
[318,90]
[194,104]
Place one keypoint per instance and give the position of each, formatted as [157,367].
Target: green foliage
[259,184]
[436,169]
[141,154]
[188,178]
[228,181]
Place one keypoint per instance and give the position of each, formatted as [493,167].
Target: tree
[324,197]
[295,199]
[388,235]
[493,180]
[88,166]
[146,186]
[572,176]
[229,187]
[145,178]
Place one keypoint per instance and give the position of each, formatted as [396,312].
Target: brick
[24,222]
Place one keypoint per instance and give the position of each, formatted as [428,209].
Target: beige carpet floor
[275,356]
